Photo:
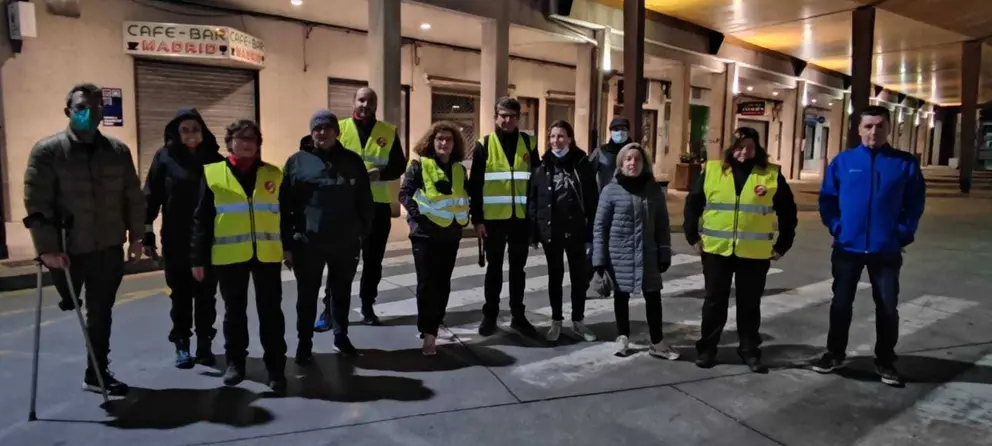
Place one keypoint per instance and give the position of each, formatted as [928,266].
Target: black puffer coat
[541,202]
[173,184]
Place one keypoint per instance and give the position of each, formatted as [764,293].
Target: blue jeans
[883,272]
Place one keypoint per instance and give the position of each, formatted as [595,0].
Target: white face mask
[618,136]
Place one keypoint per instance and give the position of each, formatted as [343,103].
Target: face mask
[619,136]
[560,154]
[80,120]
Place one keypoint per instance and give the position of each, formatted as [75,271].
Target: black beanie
[324,117]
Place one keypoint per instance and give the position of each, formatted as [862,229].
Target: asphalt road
[507,390]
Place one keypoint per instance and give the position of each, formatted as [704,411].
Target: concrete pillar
[634,89]
[729,108]
[792,148]
[863,37]
[588,79]
[845,122]
[495,67]
[679,124]
[971,67]
[600,133]
[385,58]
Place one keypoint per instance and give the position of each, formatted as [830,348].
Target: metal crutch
[63,229]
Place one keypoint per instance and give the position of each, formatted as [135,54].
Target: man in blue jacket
[871,200]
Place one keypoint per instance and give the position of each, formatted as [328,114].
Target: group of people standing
[230,218]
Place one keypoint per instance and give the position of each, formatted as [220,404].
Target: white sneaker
[663,350]
[582,331]
[554,332]
[623,345]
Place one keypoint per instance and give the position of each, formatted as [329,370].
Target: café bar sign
[193,41]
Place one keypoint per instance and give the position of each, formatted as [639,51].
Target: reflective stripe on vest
[440,208]
[742,226]
[504,189]
[375,153]
[245,227]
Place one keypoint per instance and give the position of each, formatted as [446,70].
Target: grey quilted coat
[632,237]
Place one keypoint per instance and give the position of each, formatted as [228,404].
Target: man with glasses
[82,175]
[502,163]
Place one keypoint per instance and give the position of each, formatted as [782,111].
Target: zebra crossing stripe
[965,402]
[476,296]
[918,314]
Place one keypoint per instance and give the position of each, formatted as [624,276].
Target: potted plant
[687,170]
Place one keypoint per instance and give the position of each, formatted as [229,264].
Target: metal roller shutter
[221,95]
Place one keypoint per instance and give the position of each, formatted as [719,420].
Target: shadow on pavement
[173,408]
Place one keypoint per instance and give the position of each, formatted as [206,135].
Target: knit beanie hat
[323,117]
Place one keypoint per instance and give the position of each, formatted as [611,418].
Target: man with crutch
[83,174]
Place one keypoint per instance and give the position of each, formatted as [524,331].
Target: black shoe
[524,327]
[204,355]
[66,304]
[754,363]
[369,317]
[278,385]
[304,355]
[114,387]
[487,327]
[183,358]
[888,373]
[234,374]
[706,360]
[828,363]
[343,345]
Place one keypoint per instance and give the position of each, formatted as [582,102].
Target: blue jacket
[872,200]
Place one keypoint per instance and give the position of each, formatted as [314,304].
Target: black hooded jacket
[604,161]
[563,197]
[173,183]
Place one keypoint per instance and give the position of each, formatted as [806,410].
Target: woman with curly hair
[434,195]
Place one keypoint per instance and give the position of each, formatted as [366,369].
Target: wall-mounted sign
[193,41]
[751,108]
[113,107]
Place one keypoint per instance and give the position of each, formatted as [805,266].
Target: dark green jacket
[97,185]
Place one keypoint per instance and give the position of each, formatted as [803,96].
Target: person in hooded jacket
[737,201]
[632,243]
[172,188]
[603,160]
[562,206]
[435,195]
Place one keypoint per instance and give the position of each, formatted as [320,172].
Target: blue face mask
[560,154]
[618,136]
[80,120]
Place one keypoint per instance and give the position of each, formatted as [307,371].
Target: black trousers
[268,302]
[511,236]
[100,274]
[883,272]
[309,266]
[194,304]
[434,260]
[556,251]
[373,249]
[749,275]
[652,302]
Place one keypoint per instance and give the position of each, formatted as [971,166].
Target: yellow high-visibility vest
[742,226]
[245,227]
[442,209]
[504,190]
[375,153]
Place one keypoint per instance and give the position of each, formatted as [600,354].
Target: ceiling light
[425,26]
[814,101]
[774,93]
[296,2]
[830,104]
[750,88]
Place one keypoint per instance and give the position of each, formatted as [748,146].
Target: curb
[29,280]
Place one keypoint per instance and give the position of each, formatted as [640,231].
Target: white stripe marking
[918,314]
[472,296]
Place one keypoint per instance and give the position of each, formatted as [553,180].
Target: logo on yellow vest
[760,190]
[381,141]
[270,187]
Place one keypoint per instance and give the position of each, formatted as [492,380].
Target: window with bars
[341,102]
[461,108]
[561,111]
